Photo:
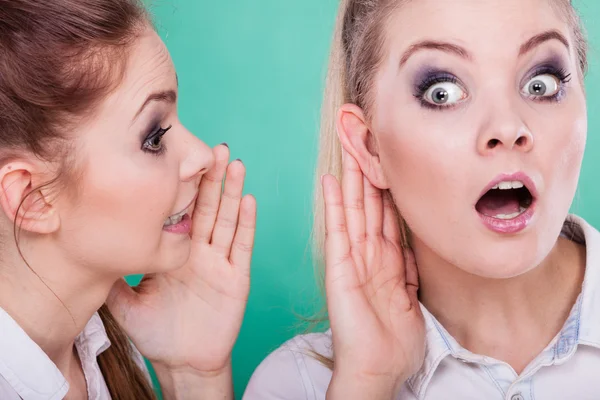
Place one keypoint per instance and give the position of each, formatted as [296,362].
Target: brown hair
[58,60]
[357,51]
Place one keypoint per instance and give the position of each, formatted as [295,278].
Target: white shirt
[27,373]
[567,369]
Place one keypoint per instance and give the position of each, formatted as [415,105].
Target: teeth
[511,216]
[175,219]
[505,185]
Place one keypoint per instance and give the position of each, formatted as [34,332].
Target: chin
[168,259]
[176,258]
[506,259]
[505,269]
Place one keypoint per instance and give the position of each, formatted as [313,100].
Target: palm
[191,317]
[375,316]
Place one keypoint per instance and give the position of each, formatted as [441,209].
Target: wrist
[362,386]
[188,383]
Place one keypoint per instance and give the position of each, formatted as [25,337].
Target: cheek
[574,147]
[562,145]
[120,209]
[425,169]
[143,189]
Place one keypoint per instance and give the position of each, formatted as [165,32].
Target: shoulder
[293,371]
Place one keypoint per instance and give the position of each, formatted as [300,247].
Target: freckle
[9,167]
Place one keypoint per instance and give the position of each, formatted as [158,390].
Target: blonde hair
[357,50]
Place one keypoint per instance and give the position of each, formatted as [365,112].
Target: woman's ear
[357,140]
[24,203]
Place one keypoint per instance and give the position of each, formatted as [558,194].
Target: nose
[504,129]
[197,158]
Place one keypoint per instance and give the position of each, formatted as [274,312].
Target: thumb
[121,299]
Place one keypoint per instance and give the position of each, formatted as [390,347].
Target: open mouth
[180,216]
[175,219]
[506,200]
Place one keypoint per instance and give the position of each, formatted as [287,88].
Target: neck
[53,306]
[511,320]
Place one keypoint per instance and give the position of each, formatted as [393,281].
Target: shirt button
[517,397]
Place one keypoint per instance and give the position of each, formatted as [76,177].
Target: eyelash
[156,134]
[428,82]
[441,77]
[562,76]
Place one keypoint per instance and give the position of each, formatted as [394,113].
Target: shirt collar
[31,373]
[587,323]
[437,347]
[93,340]
[582,326]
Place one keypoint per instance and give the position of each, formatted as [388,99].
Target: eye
[545,85]
[444,94]
[153,143]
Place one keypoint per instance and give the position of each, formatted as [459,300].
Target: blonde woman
[467,119]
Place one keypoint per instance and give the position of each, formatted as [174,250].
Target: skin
[83,237]
[502,295]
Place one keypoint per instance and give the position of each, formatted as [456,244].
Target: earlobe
[22,202]
[358,141]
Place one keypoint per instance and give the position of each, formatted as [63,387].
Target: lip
[186,207]
[519,223]
[519,176]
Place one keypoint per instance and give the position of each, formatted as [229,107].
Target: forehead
[149,69]
[149,64]
[495,26]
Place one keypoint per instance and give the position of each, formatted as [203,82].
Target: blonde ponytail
[330,151]
[356,51]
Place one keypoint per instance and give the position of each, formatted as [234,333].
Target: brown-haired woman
[466,118]
[99,179]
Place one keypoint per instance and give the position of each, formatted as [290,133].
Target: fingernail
[225,144]
[237,159]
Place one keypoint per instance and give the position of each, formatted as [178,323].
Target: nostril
[493,143]
[521,141]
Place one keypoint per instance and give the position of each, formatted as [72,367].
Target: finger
[229,209]
[338,261]
[243,243]
[120,300]
[209,197]
[354,204]
[412,277]
[391,227]
[373,209]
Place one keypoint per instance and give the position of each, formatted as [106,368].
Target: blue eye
[444,94]
[438,90]
[546,85]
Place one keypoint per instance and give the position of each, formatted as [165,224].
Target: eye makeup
[152,140]
[555,67]
[429,77]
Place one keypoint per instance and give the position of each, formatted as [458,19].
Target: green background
[251,74]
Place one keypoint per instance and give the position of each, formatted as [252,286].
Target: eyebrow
[463,53]
[541,38]
[167,96]
[434,45]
